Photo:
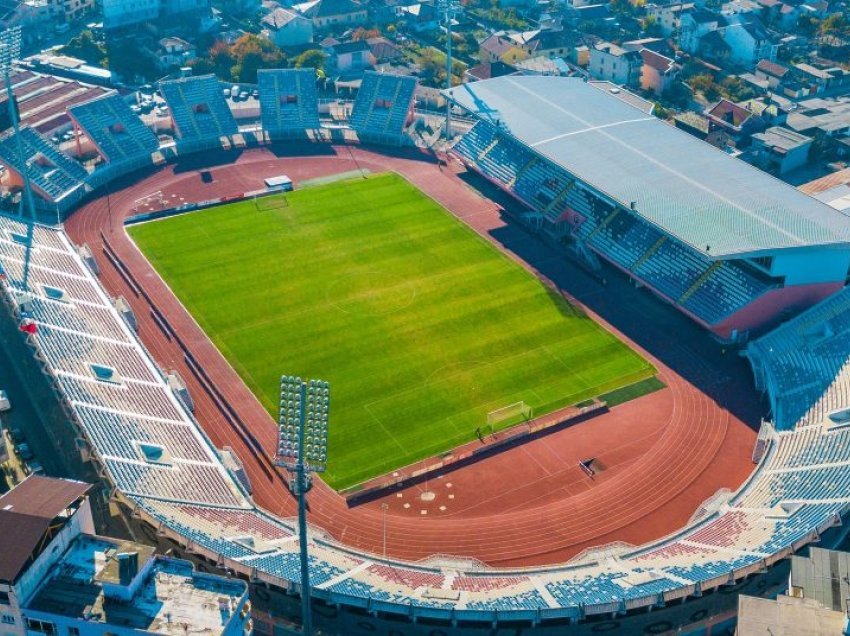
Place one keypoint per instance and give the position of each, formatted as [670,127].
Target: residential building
[815,602]
[580,55]
[693,123]
[384,51]
[58,578]
[46,15]
[738,122]
[488,70]
[772,72]
[817,116]
[539,42]
[615,64]
[786,616]
[769,109]
[177,7]
[174,51]
[499,47]
[543,65]
[287,28]
[420,17]
[328,14]
[658,72]
[73,10]
[824,81]
[668,16]
[748,41]
[779,150]
[120,13]
[350,57]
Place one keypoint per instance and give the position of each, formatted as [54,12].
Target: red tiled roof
[730,112]
[657,61]
[771,68]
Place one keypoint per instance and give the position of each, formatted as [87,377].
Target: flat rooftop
[173,599]
[686,187]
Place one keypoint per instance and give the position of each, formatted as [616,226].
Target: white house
[174,51]
[287,28]
[694,25]
[668,16]
[748,41]
[613,63]
[120,13]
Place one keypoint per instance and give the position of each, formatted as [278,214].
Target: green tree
[736,89]
[312,58]
[833,25]
[705,84]
[85,47]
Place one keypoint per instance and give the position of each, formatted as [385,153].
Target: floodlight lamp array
[316,427]
[309,417]
[10,47]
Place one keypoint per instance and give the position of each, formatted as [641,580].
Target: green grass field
[420,325]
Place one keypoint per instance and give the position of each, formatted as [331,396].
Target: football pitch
[420,326]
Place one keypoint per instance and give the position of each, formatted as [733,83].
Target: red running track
[663,454]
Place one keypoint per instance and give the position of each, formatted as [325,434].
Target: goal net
[148,201]
[508,416]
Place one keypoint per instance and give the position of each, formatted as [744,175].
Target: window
[44,627]
[73,631]
[7,619]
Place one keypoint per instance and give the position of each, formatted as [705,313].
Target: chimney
[128,567]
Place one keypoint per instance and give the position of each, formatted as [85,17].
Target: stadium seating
[56,176]
[382,106]
[289,102]
[125,143]
[201,115]
[796,492]
[710,291]
[801,364]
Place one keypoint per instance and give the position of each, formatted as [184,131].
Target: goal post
[506,416]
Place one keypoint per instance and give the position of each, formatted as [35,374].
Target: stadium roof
[688,188]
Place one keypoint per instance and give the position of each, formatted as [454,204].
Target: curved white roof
[688,188]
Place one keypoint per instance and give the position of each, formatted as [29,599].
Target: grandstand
[803,360]
[724,242]
[201,116]
[43,100]
[289,102]
[382,108]
[163,466]
[120,137]
[583,181]
[58,180]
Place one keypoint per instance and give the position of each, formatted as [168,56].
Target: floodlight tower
[302,449]
[10,50]
[449,9]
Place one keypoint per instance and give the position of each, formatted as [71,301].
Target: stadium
[660,256]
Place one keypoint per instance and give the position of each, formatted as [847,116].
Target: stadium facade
[161,465]
[724,242]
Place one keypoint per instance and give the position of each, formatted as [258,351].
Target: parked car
[5,405]
[243,95]
[226,92]
[17,435]
[255,93]
[35,467]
